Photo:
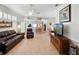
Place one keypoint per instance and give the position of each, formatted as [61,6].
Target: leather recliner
[30,33]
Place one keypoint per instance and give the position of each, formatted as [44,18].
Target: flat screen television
[58,28]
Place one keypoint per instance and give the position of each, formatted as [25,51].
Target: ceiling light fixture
[33,11]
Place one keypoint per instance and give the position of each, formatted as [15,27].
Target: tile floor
[39,45]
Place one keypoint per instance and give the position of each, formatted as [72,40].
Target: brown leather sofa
[8,39]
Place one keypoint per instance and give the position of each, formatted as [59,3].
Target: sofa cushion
[11,36]
[2,42]
[12,31]
[9,32]
[3,39]
[2,34]
[12,40]
[17,37]
[9,42]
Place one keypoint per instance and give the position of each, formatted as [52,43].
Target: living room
[18,26]
[39,29]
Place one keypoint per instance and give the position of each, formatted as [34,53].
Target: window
[9,17]
[13,18]
[5,15]
[0,14]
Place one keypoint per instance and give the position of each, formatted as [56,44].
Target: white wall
[74,25]
[71,29]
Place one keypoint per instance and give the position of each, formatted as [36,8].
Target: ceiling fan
[33,11]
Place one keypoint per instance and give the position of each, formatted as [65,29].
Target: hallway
[39,45]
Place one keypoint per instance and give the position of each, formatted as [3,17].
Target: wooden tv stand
[61,43]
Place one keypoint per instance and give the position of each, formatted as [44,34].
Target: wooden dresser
[61,43]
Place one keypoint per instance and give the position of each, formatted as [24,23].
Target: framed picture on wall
[5,24]
[65,14]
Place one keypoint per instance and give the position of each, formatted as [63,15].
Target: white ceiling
[46,10]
